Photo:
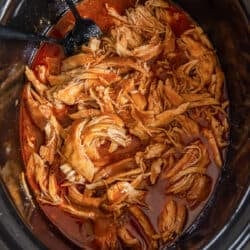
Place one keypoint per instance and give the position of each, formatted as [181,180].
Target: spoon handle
[11,34]
[73,9]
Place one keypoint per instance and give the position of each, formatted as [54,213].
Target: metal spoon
[83,30]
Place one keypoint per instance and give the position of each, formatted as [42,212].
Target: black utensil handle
[11,34]
[73,9]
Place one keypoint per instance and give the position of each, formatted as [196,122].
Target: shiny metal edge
[9,8]
[241,240]
[4,10]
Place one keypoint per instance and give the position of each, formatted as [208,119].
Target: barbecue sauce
[79,230]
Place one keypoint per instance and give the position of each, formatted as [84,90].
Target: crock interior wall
[226,25]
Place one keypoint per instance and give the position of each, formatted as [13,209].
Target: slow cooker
[224,223]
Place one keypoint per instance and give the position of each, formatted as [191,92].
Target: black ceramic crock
[224,223]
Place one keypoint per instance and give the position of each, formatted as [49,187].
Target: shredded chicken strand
[140,106]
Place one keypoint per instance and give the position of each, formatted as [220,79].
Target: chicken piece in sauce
[138,112]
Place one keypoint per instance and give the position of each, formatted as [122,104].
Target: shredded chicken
[140,107]
[172,220]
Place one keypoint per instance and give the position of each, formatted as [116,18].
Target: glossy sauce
[75,229]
